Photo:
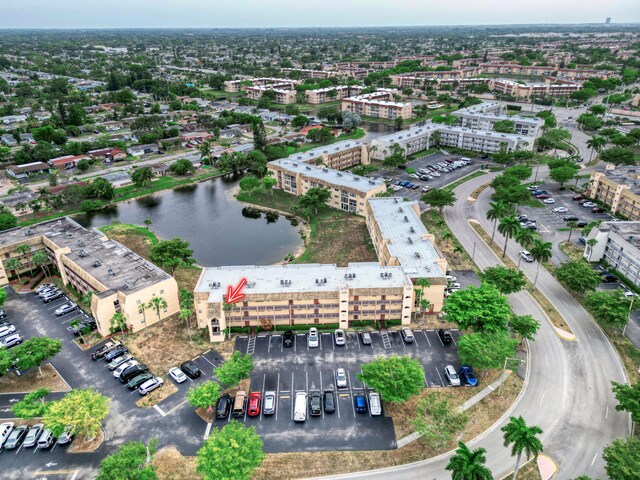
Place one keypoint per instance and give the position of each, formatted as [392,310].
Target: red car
[542,196]
[575,198]
[254,404]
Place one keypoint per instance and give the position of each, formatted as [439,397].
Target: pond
[221,230]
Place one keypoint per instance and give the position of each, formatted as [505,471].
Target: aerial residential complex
[619,189]
[378,104]
[485,115]
[618,244]
[88,261]
[329,94]
[509,87]
[287,295]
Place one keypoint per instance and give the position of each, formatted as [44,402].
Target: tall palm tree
[157,303]
[469,464]
[596,143]
[522,439]
[118,322]
[23,249]
[497,210]
[572,225]
[41,259]
[205,152]
[592,242]
[14,264]
[524,237]
[422,302]
[508,227]
[541,252]
[185,314]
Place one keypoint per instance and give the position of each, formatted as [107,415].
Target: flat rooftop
[417,132]
[329,175]
[406,234]
[311,277]
[629,231]
[109,262]
[629,176]
[331,149]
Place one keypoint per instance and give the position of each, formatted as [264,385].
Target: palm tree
[14,264]
[157,303]
[185,314]
[596,143]
[23,249]
[592,242]
[541,252]
[469,464]
[422,302]
[41,259]
[524,237]
[497,210]
[523,439]
[205,152]
[118,322]
[508,227]
[571,225]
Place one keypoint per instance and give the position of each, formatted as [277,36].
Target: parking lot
[287,370]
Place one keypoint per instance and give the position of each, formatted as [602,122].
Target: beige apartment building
[88,261]
[330,94]
[233,86]
[515,69]
[284,92]
[516,89]
[378,104]
[337,156]
[308,73]
[618,189]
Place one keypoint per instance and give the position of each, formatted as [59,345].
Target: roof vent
[400,208]
[339,174]
[97,263]
[82,253]
[28,231]
[308,167]
[68,234]
[406,219]
[127,284]
[111,272]
[409,240]
[325,170]
[357,179]
[80,243]
[417,255]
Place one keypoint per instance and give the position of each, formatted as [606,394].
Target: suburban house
[140,150]
[8,140]
[23,171]
[66,162]
[107,154]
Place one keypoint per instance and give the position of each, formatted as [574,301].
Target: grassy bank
[466,178]
[334,236]
[446,242]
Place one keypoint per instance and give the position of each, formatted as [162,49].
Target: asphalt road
[567,391]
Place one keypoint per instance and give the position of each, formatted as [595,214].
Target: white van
[375,406]
[300,407]
[5,431]
[46,439]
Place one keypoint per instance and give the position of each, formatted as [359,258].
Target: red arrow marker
[235,294]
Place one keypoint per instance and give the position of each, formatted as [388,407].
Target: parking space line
[454,340]
[439,376]
[160,411]
[65,382]
[75,475]
[292,396]
[207,431]
[425,336]
[415,340]
[351,392]
[320,341]
[321,393]
[264,378]
[440,339]
[277,394]
[205,358]
[176,407]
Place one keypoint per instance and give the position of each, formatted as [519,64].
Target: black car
[138,380]
[581,224]
[116,352]
[133,371]
[329,402]
[190,369]
[223,407]
[570,219]
[287,338]
[315,404]
[609,278]
[445,336]
[103,350]
[83,327]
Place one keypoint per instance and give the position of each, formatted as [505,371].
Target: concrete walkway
[465,406]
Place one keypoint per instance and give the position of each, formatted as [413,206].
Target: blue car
[404,183]
[467,376]
[410,185]
[359,403]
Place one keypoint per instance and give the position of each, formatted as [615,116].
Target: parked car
[451,278]
[66,437]
[341,378]
[340,337]
[3,314]
[32,435]
[7,330]
[577,198]
[548,201]
[597,210]
[133,371]
[5,431]
[329,400]
[542,196]
[467,376]
[11,340]
[66,308]
[15,437]
[287,338]
[526,256]
[589,205]
[582,240]
[609,278]
[150,385]
[560,210]
[223,406]
[52,296]
[116,352]
[130,363]
[452,376]
[445,336]
[103,350]
[43,286]
[581,224]
[570,218]
[269,403]
[454,286]
[190,369]
[359,403]
[177,375]
[46,439]
[48,291]
[255,399]
[407,335]
[138,380]
[118,361]
[315,403]
[375,406]
[313,339]
[83,326]
[366,338]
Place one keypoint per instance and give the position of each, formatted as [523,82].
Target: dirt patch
[187,277]
[446,242]
[431,322]
[85,445]
[33,380]
[89,340]
[573,251]
[476,193]
[158,395]
[167,344]
[172,465]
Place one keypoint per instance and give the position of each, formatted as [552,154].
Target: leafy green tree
[521,172]
[35,350]
[82,410]
[315,199]
[469,464]
[132,461]
[523,439]
[268,183]
[622,459]
[618,156]
[32,404]
[395,378]
[7,220]
[524,325]
[204,396]
[238,366]
[142,176]
[486,350]
[437,421]
[257,162]
[3,296]
[609,307]
[249,183]
[508,227]
[182,167]
[171,254]
[524,237]
[100,188]
[563,174]
[83,165]
[481,308]
[578,276]
[497,211]
[118,323]
[504,126]
[506,280]
[596,144]
[350,121]
[628,397]
[300,121]
[147,222]
[88,206]
[259,136]
[439,198]
[234,451]
[41,259]
[395,157]
[513,193]
[6,361]
[13,264]
[320,135]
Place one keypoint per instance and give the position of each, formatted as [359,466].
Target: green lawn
[356,134]
[466,178]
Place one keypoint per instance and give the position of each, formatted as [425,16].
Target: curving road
[568,390]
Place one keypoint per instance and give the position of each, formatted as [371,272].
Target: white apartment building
[485,115]
[618,244]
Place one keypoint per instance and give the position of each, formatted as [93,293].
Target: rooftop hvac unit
[381,275]
[68,234]
[127,284]
[111,272]
[28,231]
[339,174]
[395,200]
[357,179]
[406,219]
[97,263]
[400,209]
[325,170]
[412,230]
[308,167]
[372,182]
[417,255]
[80,243]
[327,151]
[82,253]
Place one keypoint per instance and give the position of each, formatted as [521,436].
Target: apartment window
[316,301]
[290,302]
[383,297]
[356,298]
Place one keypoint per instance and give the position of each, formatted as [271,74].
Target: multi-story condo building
[284,92]
[618,244]
[338,156]
[87,261]
[485,115]
[515,89]
[348,192]
[282,296]
[330,94]
[242,85]
[308,73]
[378,104]
[619,189]
[515,69]
[413,79]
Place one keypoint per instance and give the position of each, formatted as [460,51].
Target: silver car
[269,403]
[341,378]
[452,376]
[32,435]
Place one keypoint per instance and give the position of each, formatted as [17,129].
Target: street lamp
[504,367]
[628,314]
[473,254]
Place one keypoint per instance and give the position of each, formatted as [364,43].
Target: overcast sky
[297,13]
